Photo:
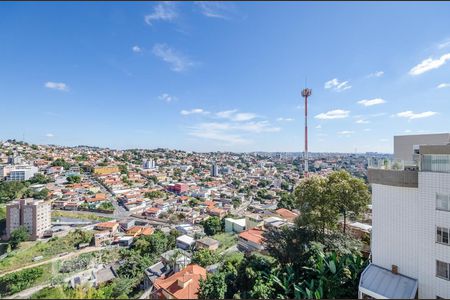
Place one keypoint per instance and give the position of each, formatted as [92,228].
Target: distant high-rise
[214,170]
[34,215]
[410,243]
[150,164]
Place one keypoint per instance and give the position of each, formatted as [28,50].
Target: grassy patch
[25,279]
[75,215]
[226,240]
[24,255]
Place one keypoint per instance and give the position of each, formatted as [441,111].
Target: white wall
[394,228]
[431,286]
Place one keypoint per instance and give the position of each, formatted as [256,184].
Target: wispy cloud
[443,45]
[177,61]
[367,129]
[411,115]
[336,85]
[429,64]
[234,115]
[361,121]
[136,49]
[319,126]
[60,86]
[281,119]
[198,111]
[333,114]
[376,74]
[346,133]
[164,11]
[371,102]
[233,133]
[167,98]
[49,135]
[216,9]
[443,85]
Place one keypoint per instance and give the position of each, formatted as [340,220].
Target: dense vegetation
[312,259]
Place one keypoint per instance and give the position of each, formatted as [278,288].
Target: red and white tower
[305,94]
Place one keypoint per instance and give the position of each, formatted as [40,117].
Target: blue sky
[224,76]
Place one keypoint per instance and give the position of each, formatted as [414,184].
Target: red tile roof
[190,276]
[254,235]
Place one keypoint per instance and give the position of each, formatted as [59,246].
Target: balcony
[393,172]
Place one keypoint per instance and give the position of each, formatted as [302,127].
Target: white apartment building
[410,244]
[35,215]
[18,173]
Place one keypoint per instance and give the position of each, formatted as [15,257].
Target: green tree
[11,190]
[317,207]
[349,193]
[39,178]
[205,257]
[212,225]
[60,162]
[287,200]
[214,287]
[42,194]
[18,236]
[73,179]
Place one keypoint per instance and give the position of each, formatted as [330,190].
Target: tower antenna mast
[305,94]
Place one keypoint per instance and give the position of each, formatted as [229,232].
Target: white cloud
[443,85]
[407,131]
[216,9]
[411,115]
[166,97]
[231,132]
[346,132]
[429,64]
[281,119]
[443,45]
[136,49]
[60,86]
[367,129]
[336,85]
[333,114]
[361,121]
[50,135]
[384,140]
[165,11]
[319,126]
[177,61]
[371,102]
[198,111]
[376,74]
[235,116]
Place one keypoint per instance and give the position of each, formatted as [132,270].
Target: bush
[15,282]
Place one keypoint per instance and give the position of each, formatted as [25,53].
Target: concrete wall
[393,177]
[403,144]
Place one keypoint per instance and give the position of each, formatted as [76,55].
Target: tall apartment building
[410,244]
[214,170]
[149,164]
[35,215]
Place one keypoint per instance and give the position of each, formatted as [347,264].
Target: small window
[442,202]
[442,270]
[442,235]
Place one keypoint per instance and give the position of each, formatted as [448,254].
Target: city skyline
[224,76]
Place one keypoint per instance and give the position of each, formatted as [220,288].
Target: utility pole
[305,94]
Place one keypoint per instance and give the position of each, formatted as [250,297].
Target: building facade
[34,215]
[411,220]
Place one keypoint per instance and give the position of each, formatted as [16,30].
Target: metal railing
[392,164]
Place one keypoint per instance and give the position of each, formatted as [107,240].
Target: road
[67,256]
[119,211]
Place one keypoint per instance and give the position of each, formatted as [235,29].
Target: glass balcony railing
[392,164]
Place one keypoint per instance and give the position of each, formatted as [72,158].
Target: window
[442,235]
[442,270]
[442,202]
[436,163]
